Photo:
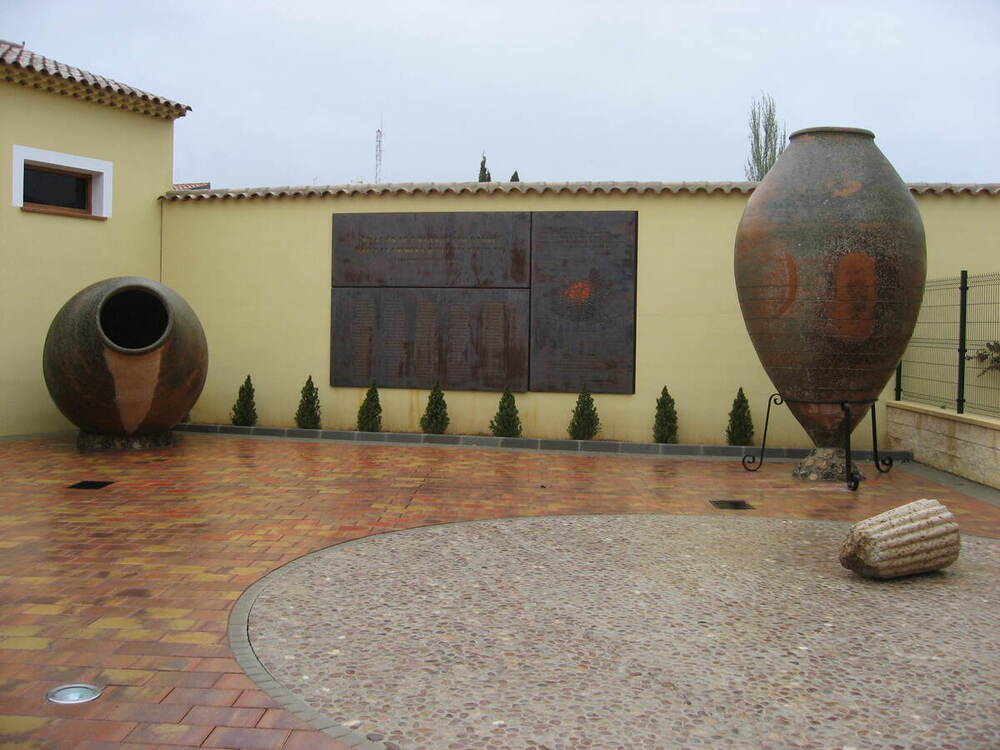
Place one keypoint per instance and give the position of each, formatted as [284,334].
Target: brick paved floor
[130,586]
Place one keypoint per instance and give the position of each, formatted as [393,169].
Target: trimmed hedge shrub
[370,413]
[585,423]
[244,411]
[740,428]
[435,420]
[307,416]
[665,421]
[506,423]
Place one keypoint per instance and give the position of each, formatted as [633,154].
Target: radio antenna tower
[378,152]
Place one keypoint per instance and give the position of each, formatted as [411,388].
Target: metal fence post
[962,305]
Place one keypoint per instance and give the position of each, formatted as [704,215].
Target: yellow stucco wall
[963,232]
[45,259]
[257,271]
[258,274]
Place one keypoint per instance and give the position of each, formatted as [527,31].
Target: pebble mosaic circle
[634,632]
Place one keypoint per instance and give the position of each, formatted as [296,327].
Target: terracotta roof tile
[536,188]
[461,188]
[22,66]
[973,188]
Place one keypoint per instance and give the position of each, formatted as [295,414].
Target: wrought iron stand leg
[852,478]
[750,462]
[879,462]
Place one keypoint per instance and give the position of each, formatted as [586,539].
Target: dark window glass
[56,188]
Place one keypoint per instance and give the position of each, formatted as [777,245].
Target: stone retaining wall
[964,444]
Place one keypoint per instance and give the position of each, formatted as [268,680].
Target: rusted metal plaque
[413,338]
[475,249]
[583,271]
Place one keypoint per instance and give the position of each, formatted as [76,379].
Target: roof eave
[27,68]
[537,188]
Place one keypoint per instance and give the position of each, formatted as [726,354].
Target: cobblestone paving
[131,586]
[635,632]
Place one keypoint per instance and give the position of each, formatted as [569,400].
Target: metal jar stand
[851,477]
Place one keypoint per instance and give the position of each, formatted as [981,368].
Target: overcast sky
[291,93]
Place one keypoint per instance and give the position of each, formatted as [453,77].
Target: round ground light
[79,692]
[633,632]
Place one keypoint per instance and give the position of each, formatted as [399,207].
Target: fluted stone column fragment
[914,538]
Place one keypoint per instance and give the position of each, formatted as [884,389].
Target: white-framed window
[65,184]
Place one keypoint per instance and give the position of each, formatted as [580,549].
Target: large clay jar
[124,360]
[830,268]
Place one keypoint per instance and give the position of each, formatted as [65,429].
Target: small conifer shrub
[665,421]
[370,413]
[506,423]
[740,428]
[585,422]
[307,416]
[435,419]
[244,411]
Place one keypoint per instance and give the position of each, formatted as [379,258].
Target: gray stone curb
[297,433]
[239,643]
[485,441]
[443,439]
[544,444]
[272,431]
[338,435]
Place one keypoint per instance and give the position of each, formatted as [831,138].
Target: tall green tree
[307,416]
[767,140]
[739,431]
[484,173]
[584,423]
[665,421]
[506,423]
[435,419]
[244,411]
[515,177]
[370,413]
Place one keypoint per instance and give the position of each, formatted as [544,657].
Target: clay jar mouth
[833,130]
[134,320]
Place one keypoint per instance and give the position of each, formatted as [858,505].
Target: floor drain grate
[732,504]
[89,484]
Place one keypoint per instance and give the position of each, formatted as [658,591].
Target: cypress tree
[740,428]
[506,423]
[484,173]
[307,416]
[370,413]
[585,422]
[515,177]
[244,412]
[665,421]
[767,140]
[435,419]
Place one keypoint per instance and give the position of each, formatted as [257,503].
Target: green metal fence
[953,359]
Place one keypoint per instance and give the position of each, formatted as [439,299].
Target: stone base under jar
[824,465]
[89,442]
